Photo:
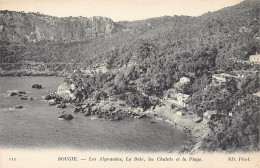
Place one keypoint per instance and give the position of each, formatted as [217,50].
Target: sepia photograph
[158,83]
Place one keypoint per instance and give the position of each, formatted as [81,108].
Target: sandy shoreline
[186,123]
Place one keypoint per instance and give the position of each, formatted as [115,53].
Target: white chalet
[184,80]
[172,96]
[181,98]
[255,58]
[180,113]
[222,78]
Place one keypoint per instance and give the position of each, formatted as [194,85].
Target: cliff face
[33,27]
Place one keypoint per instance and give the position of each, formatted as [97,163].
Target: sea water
[36,125]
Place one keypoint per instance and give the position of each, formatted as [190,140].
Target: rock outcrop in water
[19,107]
[17,93]
[37,86]
[50,96]
[62,105]
[34,27]
[13,94]
[66,117]
[68,94]
[24,98]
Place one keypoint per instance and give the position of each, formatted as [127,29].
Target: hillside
[141,62]
[35,37]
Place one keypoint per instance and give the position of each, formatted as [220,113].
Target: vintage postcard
[129,83]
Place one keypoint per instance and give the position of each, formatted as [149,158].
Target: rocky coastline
[115,110]
[68,95]
[104,109]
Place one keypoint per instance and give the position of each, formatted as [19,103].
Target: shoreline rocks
[52,102]
[21,92]
[79,109]
[87,114]
[50,96]
[13,94]
[116,118]
[18,93]
[19,107]
[24,98]
[62,105]
[37,86]
[66,117]
[65,92]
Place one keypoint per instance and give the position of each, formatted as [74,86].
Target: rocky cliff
[34,27]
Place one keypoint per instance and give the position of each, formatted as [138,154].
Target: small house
[184,80]
[230,114]
[222,78]
[255,58]
[179,113]
[181,98]
[172,96]
[209,113]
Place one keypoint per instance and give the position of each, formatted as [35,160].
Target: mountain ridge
[34,27]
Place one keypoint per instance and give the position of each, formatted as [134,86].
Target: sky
[117,10]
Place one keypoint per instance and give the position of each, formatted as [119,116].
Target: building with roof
[255,58]
[172,96]
[181,98]
[184,80]
[222,78]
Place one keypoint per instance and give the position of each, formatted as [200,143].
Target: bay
[36,124]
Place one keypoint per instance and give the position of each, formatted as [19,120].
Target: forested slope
[146,58]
